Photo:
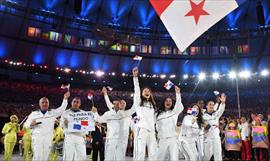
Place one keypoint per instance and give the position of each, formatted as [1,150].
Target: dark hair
[200,115]
[77,98]
[162,107]
[151,99]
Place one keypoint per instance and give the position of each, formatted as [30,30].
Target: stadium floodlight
[99,73]
[232,75]
[245,74]
[264,73]
[202,76]
[215,76]
[185,76]
[162,76]
[67,70]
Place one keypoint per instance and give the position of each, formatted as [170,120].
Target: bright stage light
[67,70]
[162,76]
[232,75]
[172,76]
[245,74]
[123,74]
[113,74]
[144,75]
[215,76]
[99,73]
[185,76]
[264,73]
[202,76]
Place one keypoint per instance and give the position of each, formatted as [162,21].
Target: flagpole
[238,98]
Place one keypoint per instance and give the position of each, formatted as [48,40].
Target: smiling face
[44,104]
[210,106]
[123,105]
[146,93]
[116,105]
[75,104]
[168,103]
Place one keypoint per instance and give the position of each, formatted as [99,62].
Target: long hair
[151,99]
[162,107]
[200,115]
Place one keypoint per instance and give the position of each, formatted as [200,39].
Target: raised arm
[221,107]
[178,107]
[59,111]
[107,99]
[137,90]
[97,117]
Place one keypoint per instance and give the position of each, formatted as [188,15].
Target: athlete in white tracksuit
[191,134]
[74,143]
[113,118]
[42,124]
[145,127]
[212,141]
[125,123]
[166,128]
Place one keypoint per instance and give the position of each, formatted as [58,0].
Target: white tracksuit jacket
[74,144]
[125,123]
[190,136]
[166,129]
[42,134]
[113,119]
[145,127]
[212,142]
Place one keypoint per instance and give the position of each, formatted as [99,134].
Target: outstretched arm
[107,99]
[178,107]
[221,107]
[137,91]
[59,111]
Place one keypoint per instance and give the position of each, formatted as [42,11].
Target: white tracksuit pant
[112,151]
[142,139]
[168,145]
[212,146]
[41,147]
[189,149]
[74,148]
[122,148]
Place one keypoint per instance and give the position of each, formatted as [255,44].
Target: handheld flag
[216,93]
[109,88]
[139,58]
[192,111]
[65,86]
[168,85]
[90,96]
[187,20]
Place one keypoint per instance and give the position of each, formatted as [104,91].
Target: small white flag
[65,86]
[216,93]
[109,88]
[139,58]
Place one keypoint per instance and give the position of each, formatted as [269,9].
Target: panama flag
[65,86]
[191,111]
[186,20]
[168,85]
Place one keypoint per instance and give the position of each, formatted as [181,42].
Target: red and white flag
[65,86]
[186,20]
